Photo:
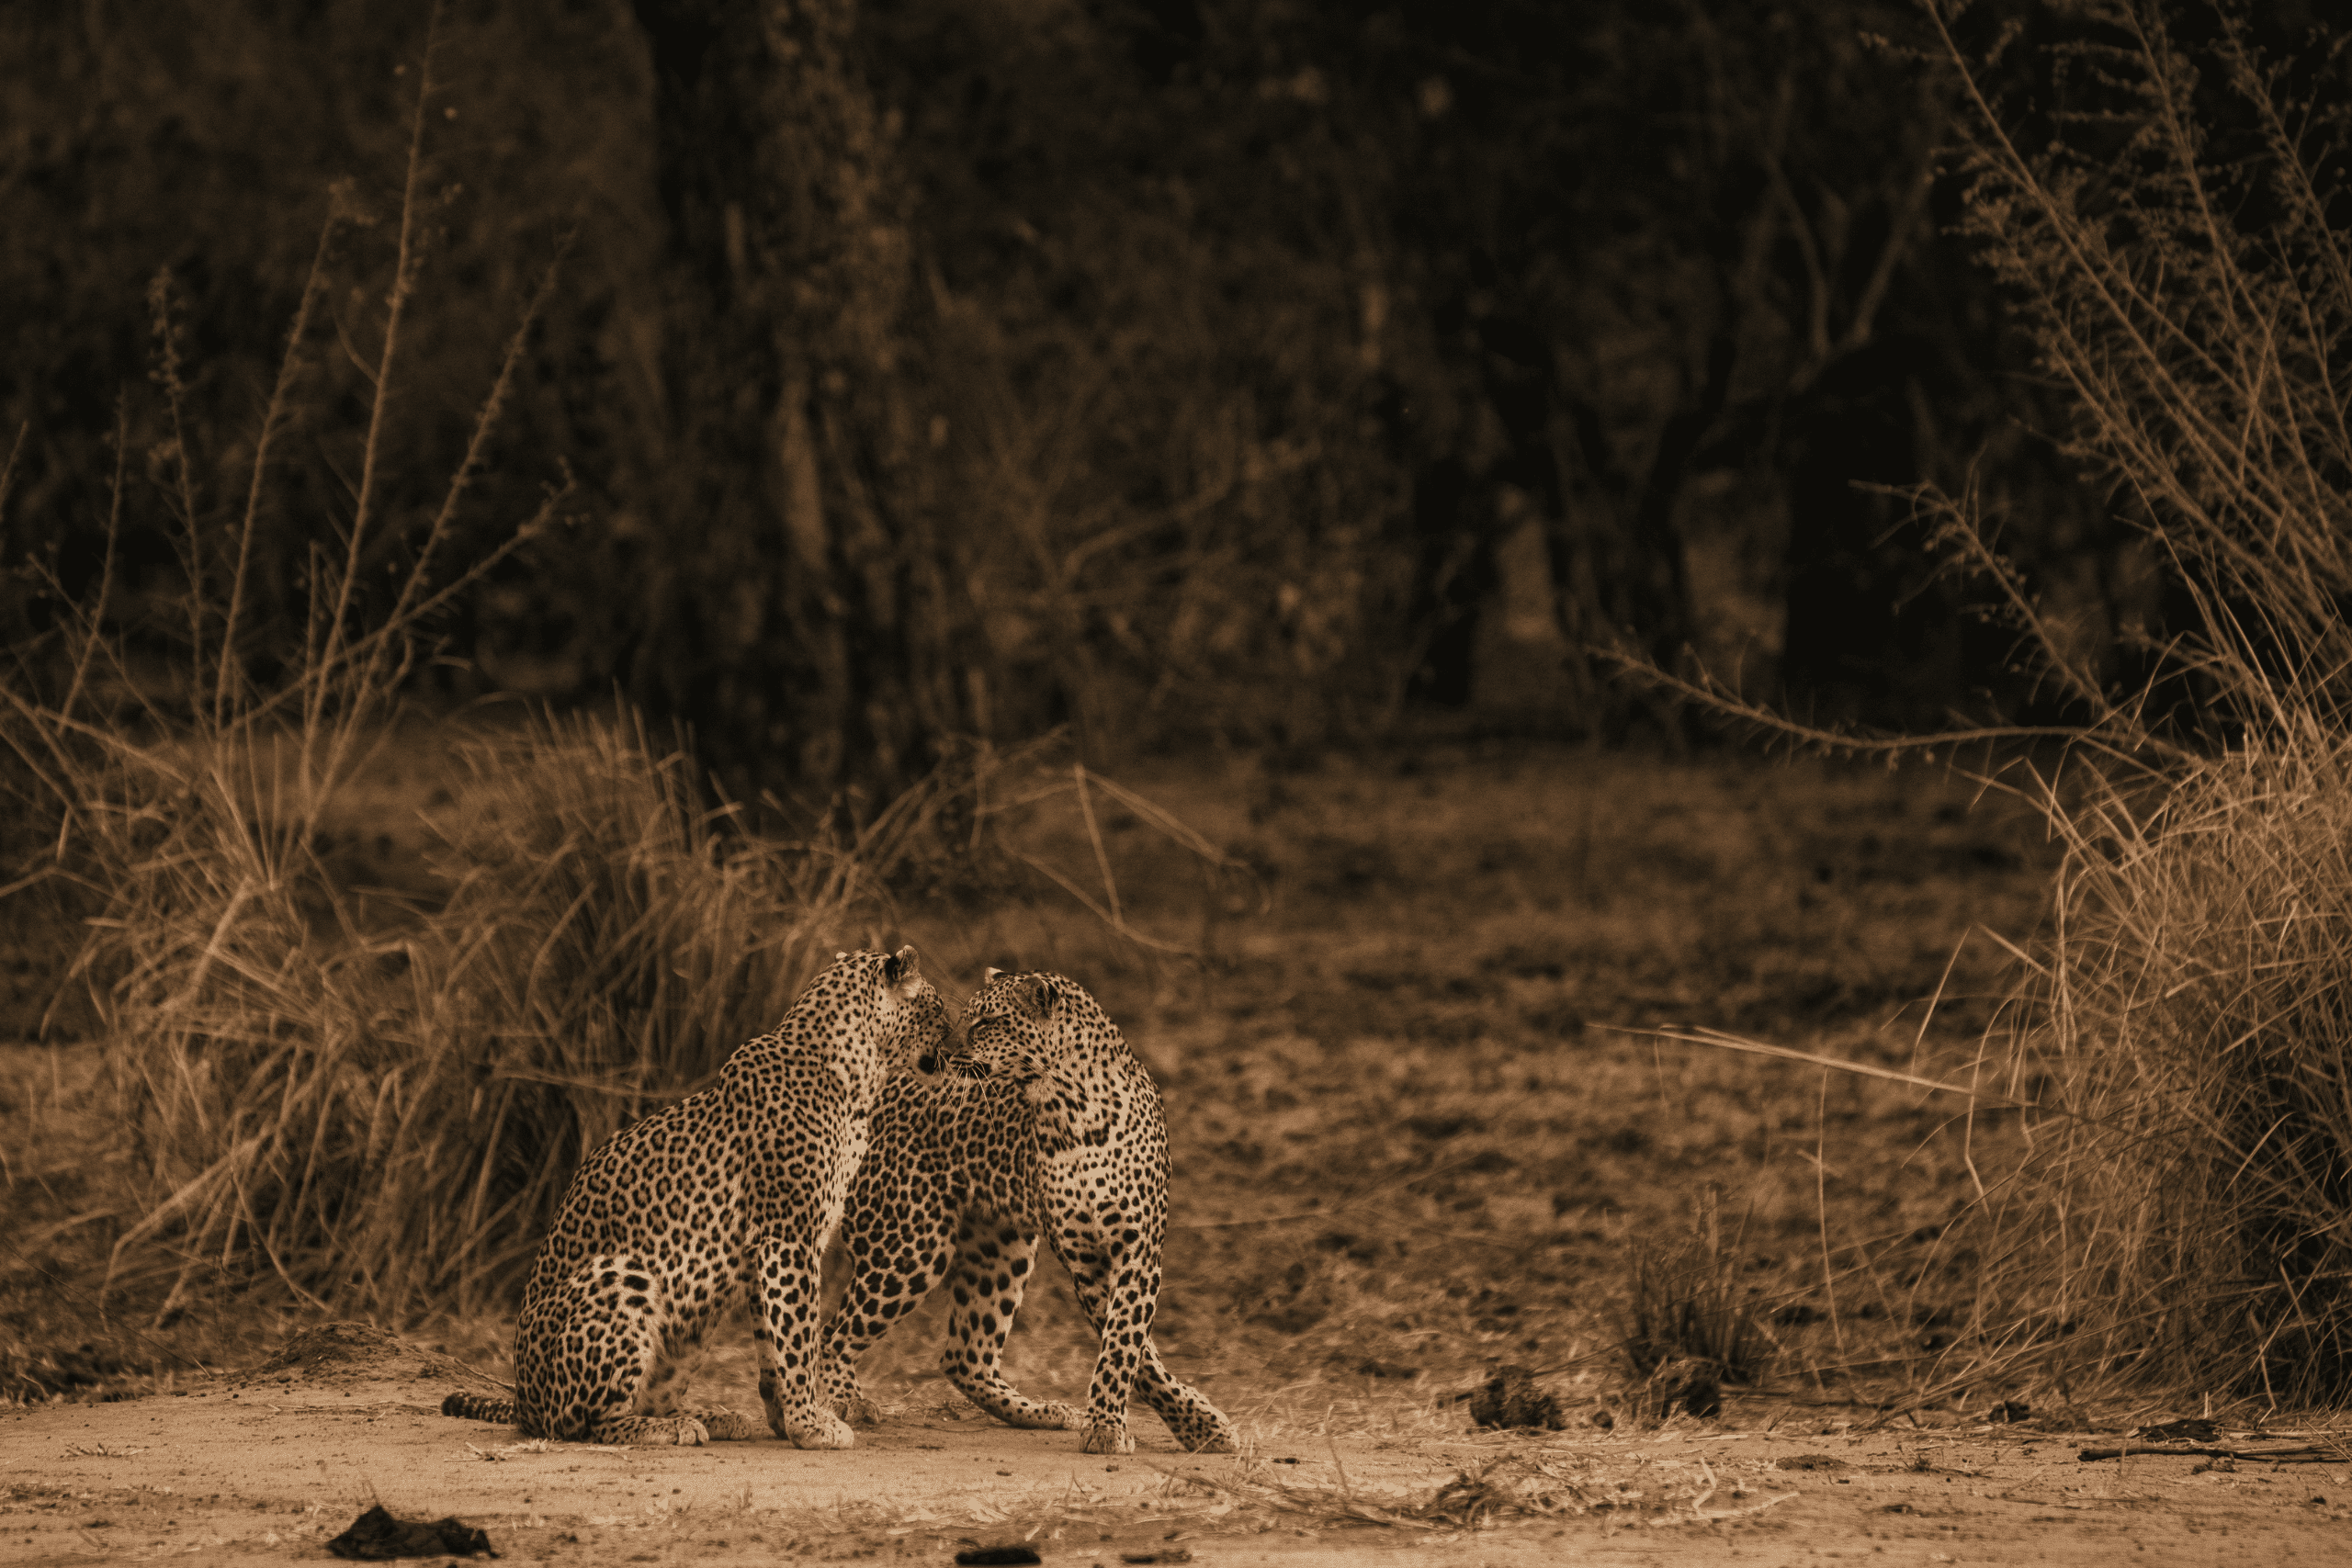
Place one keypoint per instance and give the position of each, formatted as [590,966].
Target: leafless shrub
[2178,1041]
[2176,256]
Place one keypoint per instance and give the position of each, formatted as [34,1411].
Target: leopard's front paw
[1108,1439]
[726,1426]
[660,1431]
[860,1411]
[818,1430]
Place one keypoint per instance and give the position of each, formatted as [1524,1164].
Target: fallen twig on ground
[2293,1453]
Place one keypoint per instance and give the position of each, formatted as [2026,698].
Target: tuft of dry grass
[2182,1222]
[1689,1304]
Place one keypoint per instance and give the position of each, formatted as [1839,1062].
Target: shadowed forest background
[527,523]
[1250,374]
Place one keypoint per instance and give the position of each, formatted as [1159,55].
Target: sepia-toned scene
[1176,781]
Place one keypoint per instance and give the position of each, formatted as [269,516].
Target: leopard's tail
[478,1408]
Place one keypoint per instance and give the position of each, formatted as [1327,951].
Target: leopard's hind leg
[1117,1281]
[604,1360]
[1196,1424]
[1120,1302]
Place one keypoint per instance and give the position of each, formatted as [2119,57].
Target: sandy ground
[270,1464]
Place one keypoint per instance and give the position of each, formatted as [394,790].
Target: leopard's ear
[1039,993]
[839,956]
[991,973]
[903,971]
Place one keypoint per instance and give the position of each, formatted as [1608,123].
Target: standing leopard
[736,1188]
[1063,1138]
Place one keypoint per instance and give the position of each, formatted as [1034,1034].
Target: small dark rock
[1808,1461]
[376,1536]
[2190,1429]
[993,1554]
[1511,1398]
[2018,1410]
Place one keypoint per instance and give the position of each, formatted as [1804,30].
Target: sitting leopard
[1062,1137]
[737,1187]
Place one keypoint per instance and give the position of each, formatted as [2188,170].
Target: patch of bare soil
[341,1356]
[271,1464]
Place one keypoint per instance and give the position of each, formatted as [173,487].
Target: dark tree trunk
[776,586]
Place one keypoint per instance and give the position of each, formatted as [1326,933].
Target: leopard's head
[912,1027]
[1009,1027]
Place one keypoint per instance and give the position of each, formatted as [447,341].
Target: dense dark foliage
[1231,370]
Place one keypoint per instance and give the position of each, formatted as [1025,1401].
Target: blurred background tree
[1250,372]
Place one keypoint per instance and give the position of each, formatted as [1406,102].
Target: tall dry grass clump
[2177,250]
[2187,1215]
[386,1120]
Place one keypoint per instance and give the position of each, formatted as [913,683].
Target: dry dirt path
[270,1465]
